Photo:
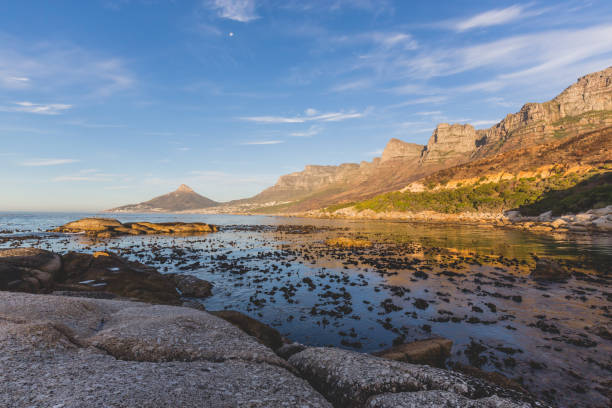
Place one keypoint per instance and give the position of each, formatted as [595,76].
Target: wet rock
[433,352]
[262,332]
[28,269]
[489,376]
[31,258]
[191,286]
[349,379]
[119,276]
[437,399]
[550,270]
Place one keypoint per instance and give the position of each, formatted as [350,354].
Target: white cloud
[263,142]
[311,111]
[547,58]
[312,131]
[47,162]
[491,18]
[323,117]
[41,109]
[237,10]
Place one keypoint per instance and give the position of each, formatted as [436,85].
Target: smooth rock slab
[348,379]
[163,333]
[438,399]
[86,379]
[47,358]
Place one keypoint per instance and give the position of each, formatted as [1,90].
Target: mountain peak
[184,188]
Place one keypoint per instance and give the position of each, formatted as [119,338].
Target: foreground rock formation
[103,275]
[108,227]
[124,354]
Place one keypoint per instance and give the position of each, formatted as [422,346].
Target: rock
[450,143]
[550,270]
[47,359]
[433,352]
[396,148]
[161,333]
[545,216]
[602,224]
[191,286]
[489,376]
[32,258]
[287,350]
[262,332]
[349,379]
[117,275]
[559,222]
[107,227]
[437,399]
[348,242]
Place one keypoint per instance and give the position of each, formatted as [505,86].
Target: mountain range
[583,107]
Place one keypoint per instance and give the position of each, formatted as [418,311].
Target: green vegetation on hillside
[562,192]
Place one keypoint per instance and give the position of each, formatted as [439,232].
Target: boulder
[262,332]
[119,276]
[42,334]
[32,258]
[433,352]
[549,270]
[349,379]
[161,333]
[191,286]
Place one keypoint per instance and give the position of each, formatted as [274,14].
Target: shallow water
[466,283]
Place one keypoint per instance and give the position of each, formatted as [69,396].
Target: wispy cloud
[323,117]
[38,108]
[49,67]
[491,18]
[47,162]
[263,142]
[312,131]
[237,10]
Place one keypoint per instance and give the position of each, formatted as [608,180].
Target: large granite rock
[108,227]
[56,352]
[349,379]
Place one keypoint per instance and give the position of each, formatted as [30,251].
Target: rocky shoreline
[96,336]
[127,354]
[594,221]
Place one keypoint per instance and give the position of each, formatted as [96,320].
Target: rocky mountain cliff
[182,199]
[582,107]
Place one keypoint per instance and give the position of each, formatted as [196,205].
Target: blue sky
[110,102]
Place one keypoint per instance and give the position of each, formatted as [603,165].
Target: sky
[110,102]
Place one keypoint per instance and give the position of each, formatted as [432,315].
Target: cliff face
[450,143]
[583,107]
[397,149]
